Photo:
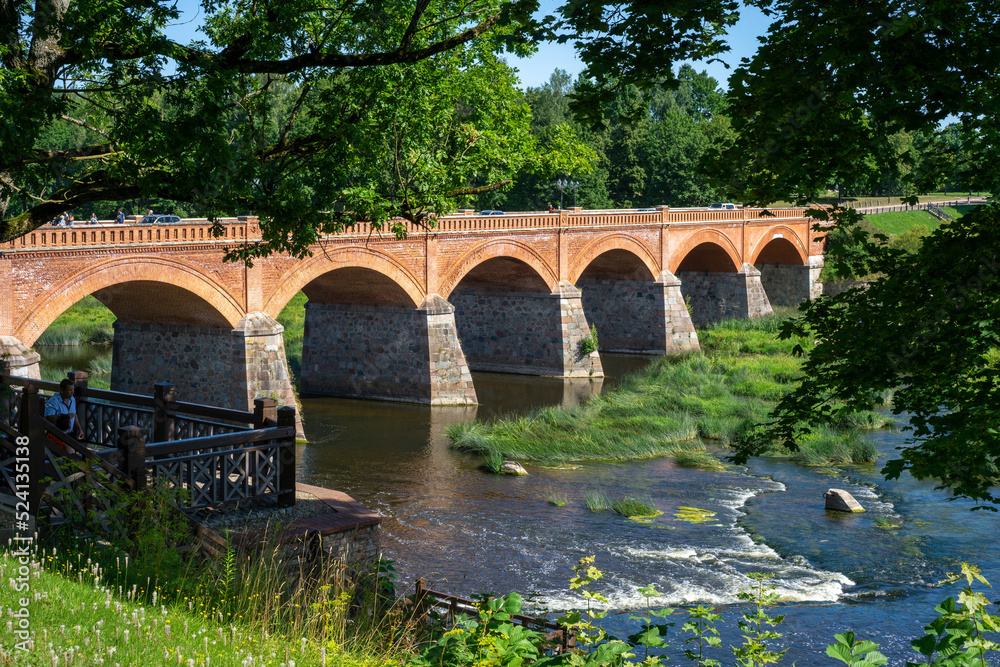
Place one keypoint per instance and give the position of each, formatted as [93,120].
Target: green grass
[597,501]
[897,222]
[635,507]
[701,460]
[86,321]
[74,612]
[293,318]
[670,407]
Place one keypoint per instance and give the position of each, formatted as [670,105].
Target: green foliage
[855,653]
[666,408]
[956,638]
[588,344]
[695,459]
[926,330]
[635,507]
[492,462]
[488,639]
[755,649]
[701,625]
[597,501]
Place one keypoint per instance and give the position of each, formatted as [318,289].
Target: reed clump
[673,406]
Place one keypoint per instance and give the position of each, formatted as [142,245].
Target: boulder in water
[512,468]
[841,501]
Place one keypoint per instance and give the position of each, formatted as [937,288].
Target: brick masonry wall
[639,316]
[528,333]
[401,354]
[721,296]
[223,367]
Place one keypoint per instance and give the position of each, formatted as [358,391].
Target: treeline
[648,151]
[665,146]
[656,146]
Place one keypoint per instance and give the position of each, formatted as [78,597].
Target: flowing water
[468,532]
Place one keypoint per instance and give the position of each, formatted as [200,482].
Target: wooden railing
[217,455]
[451,607]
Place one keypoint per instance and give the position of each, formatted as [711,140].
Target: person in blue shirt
[64,403]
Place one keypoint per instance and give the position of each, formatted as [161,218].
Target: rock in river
[512,468]
[842,501]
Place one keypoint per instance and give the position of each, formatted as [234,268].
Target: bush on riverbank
[671,406]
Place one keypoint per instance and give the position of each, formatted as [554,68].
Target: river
[468,532]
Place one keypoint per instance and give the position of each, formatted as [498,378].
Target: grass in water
[557,498]
[701,460]
[671,406]
[597,501]
[635,507]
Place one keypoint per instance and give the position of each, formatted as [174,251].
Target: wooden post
[164,409]
[263,409]
[30,424]
[286,458]
[80,382]
[132,446]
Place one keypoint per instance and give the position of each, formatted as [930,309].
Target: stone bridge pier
[791,284]
[228,367]
[526,332]
[631,310]
[717,296]
[388,352]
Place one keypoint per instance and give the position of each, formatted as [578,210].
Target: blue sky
[536,70]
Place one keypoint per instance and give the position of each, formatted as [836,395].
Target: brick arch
[322,263]
[493,249]
[613,241]
[790,238]
[212,305]
[706,236]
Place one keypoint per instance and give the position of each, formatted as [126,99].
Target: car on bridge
[489,212]
[159,219]
[726,206]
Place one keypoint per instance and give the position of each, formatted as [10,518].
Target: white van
[724,206]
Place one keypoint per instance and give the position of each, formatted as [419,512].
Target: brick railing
[236,230]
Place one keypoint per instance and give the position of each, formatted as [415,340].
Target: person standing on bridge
[64,403]
[120,217]
[93,219]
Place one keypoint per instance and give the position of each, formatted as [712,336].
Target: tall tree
[400,108]
[829,88]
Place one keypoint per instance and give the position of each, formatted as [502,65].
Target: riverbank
[677,405]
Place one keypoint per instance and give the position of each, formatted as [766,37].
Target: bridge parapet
[197,230]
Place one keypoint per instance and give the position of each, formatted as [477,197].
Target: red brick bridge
[404,319]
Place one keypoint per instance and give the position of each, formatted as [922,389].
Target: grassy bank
[673,406]
[86,321]
[80,618]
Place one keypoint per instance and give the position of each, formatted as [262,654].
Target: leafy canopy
[312,115]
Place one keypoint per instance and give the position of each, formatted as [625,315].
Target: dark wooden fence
[216,455]
[451,607]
